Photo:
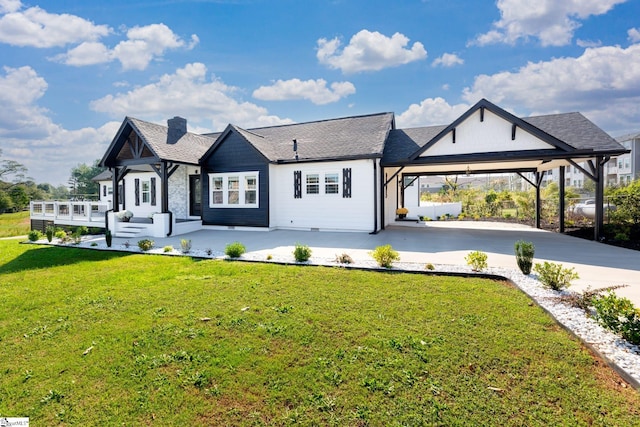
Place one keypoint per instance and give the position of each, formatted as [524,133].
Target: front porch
[100,215]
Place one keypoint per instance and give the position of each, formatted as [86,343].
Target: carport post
[599,223]
[538,199]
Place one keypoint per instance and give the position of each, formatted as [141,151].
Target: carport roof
[569,135]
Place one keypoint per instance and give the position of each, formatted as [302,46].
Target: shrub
[60,234]
[167,248]
[49,232]
[82,230]
[301,253]
[385,256]
[344,259]
[619,315]
[185,246]
[76,236]
[108,238]
[93,244]
[208,251]
[269,257]
[429,266]
[554,276]
[477,260]
[145,244]
[524,255]
[234,250]
[34,235]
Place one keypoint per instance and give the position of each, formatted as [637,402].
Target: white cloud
[37,28]
[315,91]
[601,80]
[552,22]
[7,6]
[431,111]
[369,51]
[588,43]
[189,94]
[143,44]
[634,35]
[448,60]
[30,137]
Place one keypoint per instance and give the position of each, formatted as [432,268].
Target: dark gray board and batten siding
[235,154]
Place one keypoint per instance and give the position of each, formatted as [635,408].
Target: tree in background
[80,182]
[14,183]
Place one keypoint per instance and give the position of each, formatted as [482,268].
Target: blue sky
[72,70]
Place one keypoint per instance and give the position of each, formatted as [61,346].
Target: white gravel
[613,349]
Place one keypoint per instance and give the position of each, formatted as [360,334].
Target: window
[250,189]
[109,190]
[216,191]
[146,193]
[313,183]
[233,185]
[234,190]
[331,183]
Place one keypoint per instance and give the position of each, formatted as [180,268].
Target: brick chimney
[177,127]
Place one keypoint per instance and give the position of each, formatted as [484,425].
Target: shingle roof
[186,149]
[348,137]
[628,137]
[576,130]
[402,143]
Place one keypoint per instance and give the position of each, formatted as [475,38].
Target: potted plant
[402,212]
[124,216]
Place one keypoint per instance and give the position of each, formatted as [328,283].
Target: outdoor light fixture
[468,170]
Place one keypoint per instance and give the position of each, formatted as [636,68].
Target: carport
[488,139]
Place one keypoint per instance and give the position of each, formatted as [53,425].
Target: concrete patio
[442,242]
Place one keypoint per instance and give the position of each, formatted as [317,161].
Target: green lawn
[99,338]
[14,224]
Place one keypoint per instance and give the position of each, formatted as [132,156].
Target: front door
[195,196]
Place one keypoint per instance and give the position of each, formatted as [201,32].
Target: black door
[195,196]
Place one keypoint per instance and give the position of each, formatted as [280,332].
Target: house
[343,174]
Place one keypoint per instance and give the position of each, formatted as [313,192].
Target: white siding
[145,209]
[322,211]
[491,135]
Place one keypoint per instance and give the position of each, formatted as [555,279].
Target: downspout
[170,223]
[375,198]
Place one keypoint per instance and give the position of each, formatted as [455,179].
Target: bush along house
[342,174]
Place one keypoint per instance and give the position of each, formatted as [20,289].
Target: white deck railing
[68,211]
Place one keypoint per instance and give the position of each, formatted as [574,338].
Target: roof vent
[177,127]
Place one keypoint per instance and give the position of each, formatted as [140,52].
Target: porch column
[116,191]
[562,204]
[164,177]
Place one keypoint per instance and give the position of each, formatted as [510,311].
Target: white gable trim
[491,134]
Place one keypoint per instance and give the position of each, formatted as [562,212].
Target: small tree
[524,255]
[385,256]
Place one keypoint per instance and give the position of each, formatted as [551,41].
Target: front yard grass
[100,338]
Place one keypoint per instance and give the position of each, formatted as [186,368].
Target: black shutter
[153,191]
[104,190]
[297,184]
[137,189]
[346,183]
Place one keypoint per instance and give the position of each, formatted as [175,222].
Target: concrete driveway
[439,242]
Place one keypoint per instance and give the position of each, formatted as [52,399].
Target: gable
[232,151]
[134,148]
[483,131]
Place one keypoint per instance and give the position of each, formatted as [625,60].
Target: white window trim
[242,176]
[322,184]
[143,192]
